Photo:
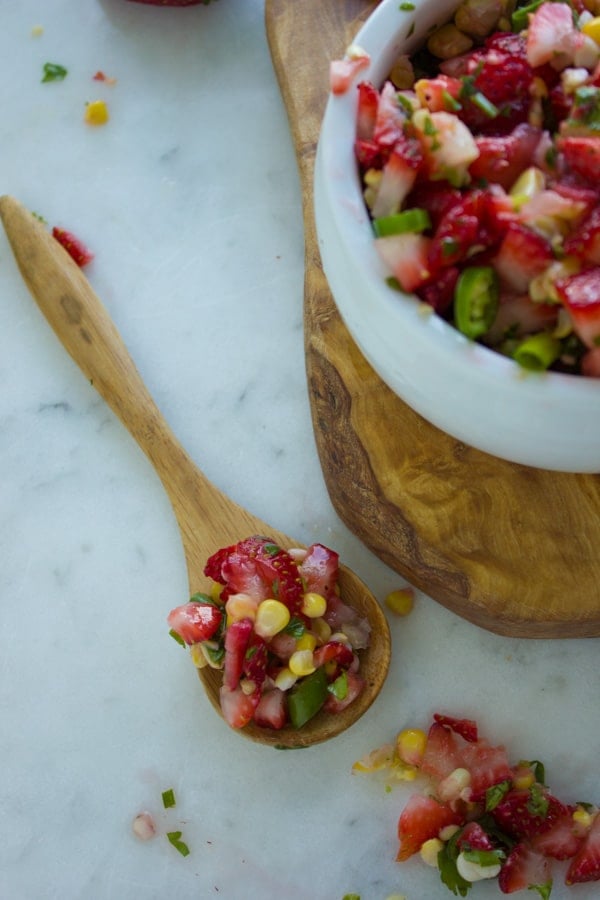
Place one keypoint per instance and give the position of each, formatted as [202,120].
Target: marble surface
[189,198]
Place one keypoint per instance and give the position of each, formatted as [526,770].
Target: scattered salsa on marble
[481,173]
[480,816]
[277,627]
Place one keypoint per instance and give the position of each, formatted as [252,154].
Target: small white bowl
[546,420]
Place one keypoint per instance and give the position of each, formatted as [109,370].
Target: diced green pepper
[537,352]
[520,18]
[409,220]
[476,300]
[307,697]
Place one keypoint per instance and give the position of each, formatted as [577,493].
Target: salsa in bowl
[479,395]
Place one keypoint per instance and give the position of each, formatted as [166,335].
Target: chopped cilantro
[177,637]
[449,874]
[174,838]
[53,72]
[168,798]
[295,627]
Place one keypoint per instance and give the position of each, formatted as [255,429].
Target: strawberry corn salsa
[481,816]
[277,627]
[480,165]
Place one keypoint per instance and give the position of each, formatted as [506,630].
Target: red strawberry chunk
[562,840]
[582,156]
[438,292]
[522,255]
[442,752]
[467,728]
[407,257]
[398,176]
[391,117]
[319,570]
[76,249]
[586,864]
[422,819]
[488,766]
[473,837]
[581,296]
[366,114]
[258,567]
[342,73]
[255,660]
[237,638]
[355,685]
[502,158]
[271,711]
[237,707]
[460,231]
[439,94]
[524,868]
[334,651]
[526,813]
[195,622]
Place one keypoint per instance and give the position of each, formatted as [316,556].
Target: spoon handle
[87,332]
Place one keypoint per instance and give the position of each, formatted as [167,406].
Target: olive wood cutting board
[513,549]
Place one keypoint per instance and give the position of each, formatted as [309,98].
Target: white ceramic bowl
[546,420]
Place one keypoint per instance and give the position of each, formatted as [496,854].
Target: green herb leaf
[449,874]
[484,857]
[177,637]
[168,798]
[543,890]
[206,600]
[538,769]
[538,802]
[54,72]
[295,627]
[174,838]
[406,7]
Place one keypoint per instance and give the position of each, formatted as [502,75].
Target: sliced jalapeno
[537,352]
[307,697]
[409,220]
[475,300]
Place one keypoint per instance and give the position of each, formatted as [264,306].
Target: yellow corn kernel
[302,663]
[206,647]
[582,817]
[307,641]
[340,637]
[527,185]
[447,832]
[215,591]
[401,601]
[314,605]
[410,746]
[240,606]
[198,657]
[321,629]
[96,112]
[382,758]
[592,29]
[271,617]
[285,679]
[429,851]
[523,779]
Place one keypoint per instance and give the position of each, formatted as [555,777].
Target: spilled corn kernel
[401,601]
[430,850]
[410,746]
[96,112]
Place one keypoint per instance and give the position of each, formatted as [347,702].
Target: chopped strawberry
[334,651]
[238,708]
[562,840]
[473,837]
[582,156]
[460,231]
[258,567]
[488,766]
[391,117]
[319,570]
[442,752]
[355,685]
[439,93]
[522,255]
[195,622]
[255,660]
[271,709]
[399,174]
[76,249]
[524,868]
[342,72]
[438,292]
[467,728]
[584,240]
[434,197]
[237,638]
[406,255]
[502,158]
[422,819]
[580,294]
[586,864]
[526,813]
[518,315]
[366,113]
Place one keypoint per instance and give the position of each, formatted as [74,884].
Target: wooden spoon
[207,519]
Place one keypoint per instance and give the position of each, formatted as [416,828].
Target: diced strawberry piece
[439,93]
[342,72]
[195,622]
[551,33]
[461,230]
[237,707]
[580,294]
[391,117]
[523,254]
[438,292]
[76,249]
[422,819]
[562,840]
[337,651]
[466,728]
[442,752]
[488,766]
[502,158]
[398,177]
[584,241]
[406,255]
[237,637]
[258,567]
[282,645]
[271,710]
[524,814]
[356,685]
[255,660]
[586,864]
[582,155]
[366,114]
[473,837]
[341,617]
[319,570]
[368,154]
[434,197]
[519,315]
[524,868]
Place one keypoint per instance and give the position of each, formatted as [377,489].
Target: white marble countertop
[189,198]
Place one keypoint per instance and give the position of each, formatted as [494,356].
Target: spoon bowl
[207,518]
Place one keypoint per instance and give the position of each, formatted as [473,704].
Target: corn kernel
[401,601]
[454,786]
[321,629]
[215,591]
[429,851]
[523,779]
[240,606]
[307,641]
[527,185]
[271,617]
[340,637]
[582,817]
[198,657]
[448,831]
[285,679]
[592,29]
[410,745]
[314,605]
[96,112]
[206,647]
[301,662]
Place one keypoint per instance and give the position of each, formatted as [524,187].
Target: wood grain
[512,549]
